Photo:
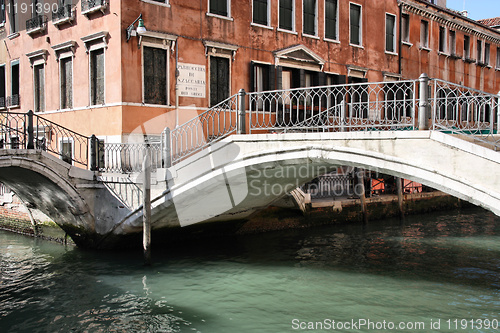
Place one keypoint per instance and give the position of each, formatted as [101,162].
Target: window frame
[442,40]
[452,42]
[360,34]
[268,15]
[229,62]
[165,3]
[166,48]
[315,34]
[424,34]
[91,50]
[405,28]
[479,51]
[13,63]
[41,91]
[336,39]
[487,54]
[293,27]
[71,141]
[65,57]
[228,8]
[498,58]
[467,47]
[4,66]
[394,34]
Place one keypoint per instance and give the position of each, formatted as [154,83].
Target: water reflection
[437,266]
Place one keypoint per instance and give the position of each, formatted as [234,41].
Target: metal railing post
[342,116]
[423,110]
[167,147]
[93,153]
[31,137]
[241,122]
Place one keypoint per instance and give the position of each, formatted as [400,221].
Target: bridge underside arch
[243,174]
[36,181]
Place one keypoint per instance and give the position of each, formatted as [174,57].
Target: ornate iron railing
[63,12]
[461,110]
[37,22]
[88,5]
[30,131]
[210,126]
[128,157]
[353,107]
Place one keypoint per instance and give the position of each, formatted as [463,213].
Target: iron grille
[89,4]
[36,22]
[62,13]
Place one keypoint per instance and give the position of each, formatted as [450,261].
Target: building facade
[77,64]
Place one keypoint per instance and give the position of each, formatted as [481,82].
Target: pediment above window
[299,56]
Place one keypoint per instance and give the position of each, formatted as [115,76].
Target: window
[3,93]
[487,50]
[390,33]
[453,43]
[442,40]
[39,87]
[331,19]
[479,55]
[498,57]
[66,82]
[12,10]
[261,12]
[97,76]
[405,29]
[309,17]
[262,79]
[466,47]
[155,75]
[219,79]
[219,7]
[2,11]
[286,21]
[14,84]
[424,34]
[66,149]
[355,23]
[160,1]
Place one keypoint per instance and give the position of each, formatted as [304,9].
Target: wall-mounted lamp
[141,28]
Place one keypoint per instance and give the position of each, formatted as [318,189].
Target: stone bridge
[244,173]
[209,170]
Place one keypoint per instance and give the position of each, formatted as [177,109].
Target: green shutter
[286,15]
[309,17]
[355,18]
[331,19]
[389,33]
[260,12]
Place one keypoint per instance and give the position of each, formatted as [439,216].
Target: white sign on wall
[191,80]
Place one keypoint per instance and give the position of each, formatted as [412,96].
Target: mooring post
[241,124]
[146,207]
[399,186]
[31,137]
[423,113]
[360,175]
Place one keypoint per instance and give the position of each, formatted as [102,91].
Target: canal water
[432,273]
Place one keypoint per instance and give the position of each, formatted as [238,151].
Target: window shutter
[331,19]
[309,17]
[355,14]
[252,77]
[286,12]
[260,12]
[155,76]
